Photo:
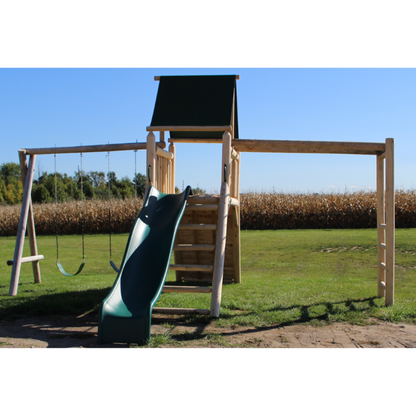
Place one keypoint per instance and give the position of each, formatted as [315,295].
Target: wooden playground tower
[203,109]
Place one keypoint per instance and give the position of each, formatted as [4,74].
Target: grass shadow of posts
[305,315]
[334,311]
[58,303]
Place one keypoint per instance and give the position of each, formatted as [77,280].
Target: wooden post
[226,158]
[151,159]
[390,222]
[381,219]
[237,179]
[221,239]
[236,243]
[172,149]
[20,240]
[31,222]
[219,258]
[163,185]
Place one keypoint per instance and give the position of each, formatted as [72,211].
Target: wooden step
[186,289]
[191,267]
[26,259]
[202,207]
[203,199]
[181,311]
[206,227]
[194,247]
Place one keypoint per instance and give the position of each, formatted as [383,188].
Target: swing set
[203,109]
[58,263]
[27,218]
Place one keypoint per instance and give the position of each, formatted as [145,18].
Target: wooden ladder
[194,250]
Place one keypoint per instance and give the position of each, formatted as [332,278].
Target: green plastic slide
[125,314]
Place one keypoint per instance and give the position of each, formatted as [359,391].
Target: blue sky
[44,107]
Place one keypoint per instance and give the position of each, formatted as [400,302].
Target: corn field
[259,211]
[96,218]
[273,211]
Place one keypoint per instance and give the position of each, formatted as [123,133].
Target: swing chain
[135,180]
[56,215]
[109,205]
[80,173]
[82,209]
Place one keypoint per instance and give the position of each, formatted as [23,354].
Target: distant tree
[87,183]
[11,190]
[141,182]
[49,184]
[198,191]
[10,172]
[97,178]
[126,188]
[40,194]
[41,178]
[95,185]
[112,178]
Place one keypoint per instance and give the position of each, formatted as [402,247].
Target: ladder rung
[186,289]
[203,199]
[192,267]
[383,265]
[194,247]
[197,227]
[27,259]
[181,311]
[383,226]
[204,207]
[382,245]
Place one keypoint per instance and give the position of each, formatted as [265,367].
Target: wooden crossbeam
[27,259]
[297,146]
[89,149]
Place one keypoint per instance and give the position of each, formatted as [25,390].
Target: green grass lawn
[296,276]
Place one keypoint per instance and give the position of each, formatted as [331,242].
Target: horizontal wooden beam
[189,128]
[180,311]
[199,141]
[192,267]
[27,259]
[88,149]
[186,289]
[164,153]
[297,146]
[203,199]
[157,77]
[194,247]
[202,207]
[205,227]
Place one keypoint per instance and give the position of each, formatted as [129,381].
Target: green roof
[193,101]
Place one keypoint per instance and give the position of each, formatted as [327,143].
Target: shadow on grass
[200,323]
[307,317]
[57,303]
[69,319]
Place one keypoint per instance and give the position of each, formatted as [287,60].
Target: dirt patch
[81,332]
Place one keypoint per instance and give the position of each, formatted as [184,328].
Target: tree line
[95,185]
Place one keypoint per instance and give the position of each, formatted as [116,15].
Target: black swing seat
[116,269]
[62,270]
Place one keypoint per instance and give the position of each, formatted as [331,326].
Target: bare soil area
[81,332]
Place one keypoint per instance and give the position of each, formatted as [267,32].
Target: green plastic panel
[125,314]
[199,100]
